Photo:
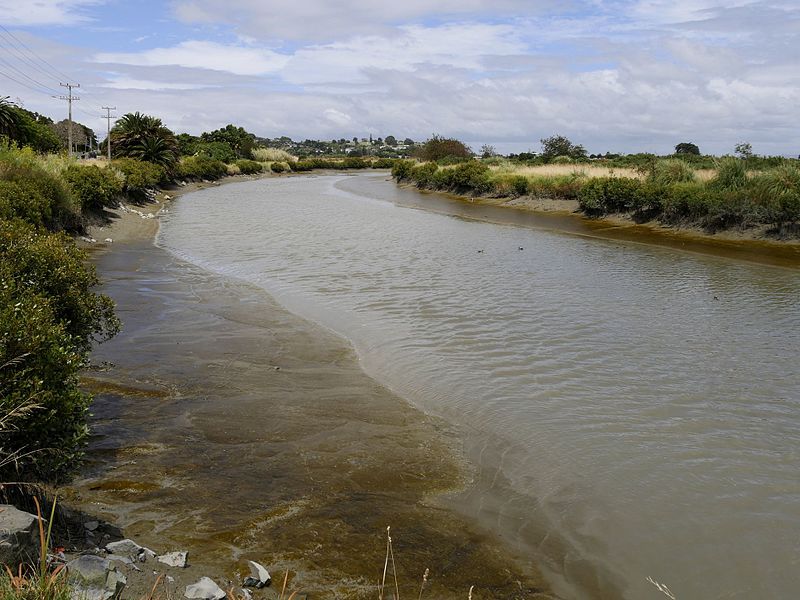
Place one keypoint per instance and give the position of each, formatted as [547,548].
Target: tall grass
[37,582]
[272,155]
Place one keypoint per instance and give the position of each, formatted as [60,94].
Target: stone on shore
[19,536]
[94,578]
[205,589]
[259,576]
[124,548]
[173,559]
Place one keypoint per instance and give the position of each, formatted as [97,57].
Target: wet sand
[226,426]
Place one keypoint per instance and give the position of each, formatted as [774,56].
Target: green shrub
[562,160]
[402,169]
[472,176]
[249,167]
[23,200]
[47,199]
[279,167]
[49,318]
[383,163]
[354,162]
[201,167]
[139,175]
[602,195]
[94,187]
[423,174]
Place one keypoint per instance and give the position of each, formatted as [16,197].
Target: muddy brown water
[235,430]
[606,410]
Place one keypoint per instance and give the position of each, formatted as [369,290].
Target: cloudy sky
[618,75]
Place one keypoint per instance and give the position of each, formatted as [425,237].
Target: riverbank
[228,427]
[751,245]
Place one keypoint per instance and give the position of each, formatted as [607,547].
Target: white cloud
[323,20]
[128,83]
[20,13]
[196,54]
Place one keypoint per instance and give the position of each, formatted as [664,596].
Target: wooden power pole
[69,98]
[108,118]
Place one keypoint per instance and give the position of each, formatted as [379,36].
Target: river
[630,411]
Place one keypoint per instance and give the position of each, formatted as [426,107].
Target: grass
[40,582]
[272,155]
[669,190]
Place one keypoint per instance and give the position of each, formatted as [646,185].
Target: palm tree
[144,137]
[9,117]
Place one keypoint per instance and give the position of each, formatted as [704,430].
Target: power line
[28,77]
[58,74]
[23,84]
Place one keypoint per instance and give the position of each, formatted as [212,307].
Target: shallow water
[632,411]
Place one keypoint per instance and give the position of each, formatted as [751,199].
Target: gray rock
[259,576]
[94,578]
[246,595]
[91,525]
[124,548]
[19,536]
[173,559]
[205,589]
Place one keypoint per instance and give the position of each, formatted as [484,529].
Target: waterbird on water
[520,248]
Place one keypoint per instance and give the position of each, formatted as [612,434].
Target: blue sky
[637,75]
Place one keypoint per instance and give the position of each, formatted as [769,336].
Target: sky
[618,75]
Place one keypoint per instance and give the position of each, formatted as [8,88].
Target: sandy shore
[226,426]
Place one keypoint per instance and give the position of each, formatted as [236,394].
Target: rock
[125,560]
[109,240]
[246,595]
[94,578]
[124,548]
[259,576]
[19,536]
[173,559]
[91,525]
[205,589]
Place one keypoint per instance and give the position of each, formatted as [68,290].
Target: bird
[480,251]
[520,248]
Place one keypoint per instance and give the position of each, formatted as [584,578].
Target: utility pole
[108,118]
[69,98]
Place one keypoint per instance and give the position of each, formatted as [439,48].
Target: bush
[201,167]
[402,169]
[602,195]
[94,187]
[47,199]
[249,167]
[279,167]
[233,170]
[383,163]
[470,176]
[139,175]
[354,162]
[423,174]
[22,200]
[49,318]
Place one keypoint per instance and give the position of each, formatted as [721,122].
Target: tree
[687,148]
[240,141]
[559,145]
[81,134]
[145,138]
[9,117]
[408,142]
[744,150]
[438,147]
[391,140]
[488,151]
